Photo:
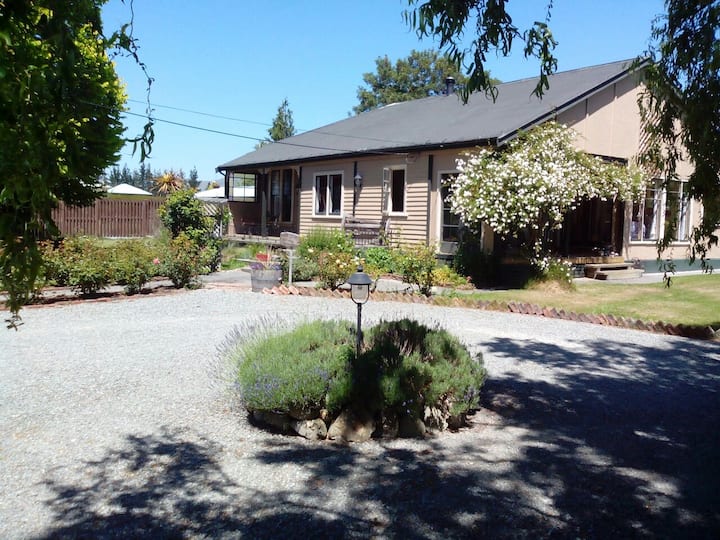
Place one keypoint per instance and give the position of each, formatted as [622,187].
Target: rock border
[60,295]
[658,327]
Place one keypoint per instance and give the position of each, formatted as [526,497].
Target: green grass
[691,300]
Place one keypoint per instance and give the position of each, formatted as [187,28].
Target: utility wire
[264,124]
[283,142]
[211,115]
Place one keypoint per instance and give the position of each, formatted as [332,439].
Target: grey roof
[438,121]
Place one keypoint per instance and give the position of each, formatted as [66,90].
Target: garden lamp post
[360,293]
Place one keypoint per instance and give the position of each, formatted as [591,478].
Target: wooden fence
[111,218]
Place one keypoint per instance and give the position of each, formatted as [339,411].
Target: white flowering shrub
[532,183]
[554,269]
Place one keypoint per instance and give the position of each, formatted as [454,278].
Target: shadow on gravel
[164,486]
[625,440]
[620,442]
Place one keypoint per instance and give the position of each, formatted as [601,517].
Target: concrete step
[591,270]
[628,273]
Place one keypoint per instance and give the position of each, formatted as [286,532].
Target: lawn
[692,300]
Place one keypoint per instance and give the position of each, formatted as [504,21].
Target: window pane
[684,218]
[397,191]
[636,225]
[450,221]
[286,211]
[335,193]
[275,195]
[242,187]
[320,194]
[676,208]
[651,212]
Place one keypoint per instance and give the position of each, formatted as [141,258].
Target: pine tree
[282,126]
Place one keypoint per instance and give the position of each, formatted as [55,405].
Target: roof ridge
[628,61]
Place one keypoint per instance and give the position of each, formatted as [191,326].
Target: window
[281,195]
[394,190]
[450,224]
[677,206]
[660,205]
[242,187]
[286,197]
[328,194]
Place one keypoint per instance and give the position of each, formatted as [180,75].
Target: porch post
[428,210]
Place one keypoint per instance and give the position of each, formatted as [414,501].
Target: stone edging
[659,327]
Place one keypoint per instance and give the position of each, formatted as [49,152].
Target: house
[128,190]
[389,165]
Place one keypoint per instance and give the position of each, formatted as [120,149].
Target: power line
[211,115]
[264,124]
[283,142]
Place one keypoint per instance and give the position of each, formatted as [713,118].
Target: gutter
[400,152]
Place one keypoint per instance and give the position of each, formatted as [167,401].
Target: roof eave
[403,151]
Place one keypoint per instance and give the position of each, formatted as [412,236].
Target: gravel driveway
[114,423]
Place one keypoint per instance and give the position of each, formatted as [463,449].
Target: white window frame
[328,195]
[657,226]
[388,190]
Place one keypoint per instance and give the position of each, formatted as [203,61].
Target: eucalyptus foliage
[534,182]
[448,22]
[681,110]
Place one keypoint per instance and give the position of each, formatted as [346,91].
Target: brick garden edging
[659,327]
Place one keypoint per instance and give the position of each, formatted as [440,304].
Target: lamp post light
[360,293]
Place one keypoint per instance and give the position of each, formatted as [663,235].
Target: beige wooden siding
[608,123]
[407,228]
[308,221]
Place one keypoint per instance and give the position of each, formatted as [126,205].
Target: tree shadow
[585,441]
[168,486]
[630,430]
[619,442]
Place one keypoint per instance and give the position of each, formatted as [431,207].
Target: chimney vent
[449,85]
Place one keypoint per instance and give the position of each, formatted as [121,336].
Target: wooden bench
[366,232]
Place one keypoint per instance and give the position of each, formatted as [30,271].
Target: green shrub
[415,366]
[472,261]
[307,368]
[182,260]
[182,213]
[334,269]
[552,270]
[319,241]
[134,262]
[56,267]
[447,277]
[303,269]
[86,264]
[404,367]
[416,264]
[381,259]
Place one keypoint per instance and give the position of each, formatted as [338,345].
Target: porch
[263,204]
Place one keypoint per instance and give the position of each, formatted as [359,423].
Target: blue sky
[240,58]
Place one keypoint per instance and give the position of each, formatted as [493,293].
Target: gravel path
[115,423]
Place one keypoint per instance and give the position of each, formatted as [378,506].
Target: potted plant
[265,272]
